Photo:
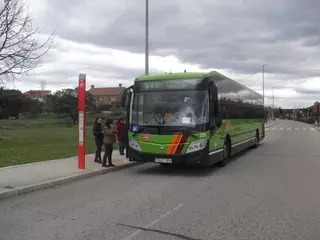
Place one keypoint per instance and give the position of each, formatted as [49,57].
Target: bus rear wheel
[226,153]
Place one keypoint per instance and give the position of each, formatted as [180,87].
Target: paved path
[21,179]
[271,192]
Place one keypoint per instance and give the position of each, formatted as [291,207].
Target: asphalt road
[271,192]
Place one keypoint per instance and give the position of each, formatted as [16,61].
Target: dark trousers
[121,147]
[108,154]
[97,157]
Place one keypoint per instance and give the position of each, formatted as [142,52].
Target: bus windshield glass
[170,108]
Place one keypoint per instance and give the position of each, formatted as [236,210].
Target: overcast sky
[105,40]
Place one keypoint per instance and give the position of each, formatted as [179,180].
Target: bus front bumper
[190,158]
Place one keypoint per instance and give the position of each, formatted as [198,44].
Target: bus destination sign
[168,85]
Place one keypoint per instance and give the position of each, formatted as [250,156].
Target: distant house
[107,96]
[37,94]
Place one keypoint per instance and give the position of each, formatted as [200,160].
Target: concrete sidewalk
[17,180]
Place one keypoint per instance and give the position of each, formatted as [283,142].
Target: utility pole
[147,39]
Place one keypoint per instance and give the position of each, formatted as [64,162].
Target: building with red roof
[37,94]
[107,96]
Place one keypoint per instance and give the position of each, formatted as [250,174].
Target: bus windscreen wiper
[145,127]
[188,132]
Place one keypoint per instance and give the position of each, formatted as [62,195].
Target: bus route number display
[167,85]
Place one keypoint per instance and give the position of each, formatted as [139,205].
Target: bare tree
[20,48]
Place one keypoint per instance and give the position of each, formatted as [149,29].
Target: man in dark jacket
[98,137]
[120,128]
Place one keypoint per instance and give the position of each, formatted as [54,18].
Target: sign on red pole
[81,121]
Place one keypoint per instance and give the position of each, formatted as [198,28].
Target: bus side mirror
[215,99]
[123,98]
[218,122]
[125,95]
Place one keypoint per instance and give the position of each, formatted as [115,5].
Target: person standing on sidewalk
[121,135]
[98,137]
[109,139]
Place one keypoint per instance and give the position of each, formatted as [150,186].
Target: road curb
[316,128]
[270,124]
[61,181]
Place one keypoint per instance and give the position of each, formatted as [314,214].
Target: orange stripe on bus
[177,144]
[173,144]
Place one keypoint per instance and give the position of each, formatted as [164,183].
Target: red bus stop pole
[81,121]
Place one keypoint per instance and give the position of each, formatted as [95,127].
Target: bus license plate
[163,160]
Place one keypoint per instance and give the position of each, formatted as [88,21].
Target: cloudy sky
[105,40]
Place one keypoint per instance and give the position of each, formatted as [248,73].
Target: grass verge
[30,141]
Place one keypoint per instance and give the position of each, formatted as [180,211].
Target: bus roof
[182,75]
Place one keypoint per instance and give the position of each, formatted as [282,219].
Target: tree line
[64,103]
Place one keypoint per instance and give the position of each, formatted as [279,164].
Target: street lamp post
[272,103]
[263,86]
[147,39]
[264,65]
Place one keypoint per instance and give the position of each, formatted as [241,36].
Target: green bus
[191,118]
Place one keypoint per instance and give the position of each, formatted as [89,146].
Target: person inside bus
[187,113]
[109,139]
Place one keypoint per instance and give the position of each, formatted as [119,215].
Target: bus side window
[215,101]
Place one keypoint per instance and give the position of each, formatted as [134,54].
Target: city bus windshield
[170,108]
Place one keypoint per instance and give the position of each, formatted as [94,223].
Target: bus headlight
[135,145]
[197,145]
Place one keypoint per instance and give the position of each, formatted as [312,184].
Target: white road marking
[150,224]
[297,129]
